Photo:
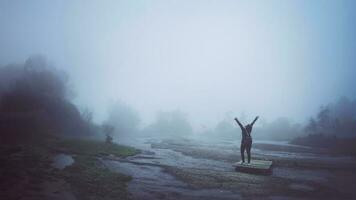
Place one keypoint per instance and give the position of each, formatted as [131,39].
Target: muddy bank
[40,171]
[156,182]
[281,155]
[298,172]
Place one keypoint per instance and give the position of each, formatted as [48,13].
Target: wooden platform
[255,167]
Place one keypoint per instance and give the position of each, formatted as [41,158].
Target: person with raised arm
[246,141]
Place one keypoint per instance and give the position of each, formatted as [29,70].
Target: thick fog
[202,62]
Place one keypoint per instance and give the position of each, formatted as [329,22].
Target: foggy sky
[267,58]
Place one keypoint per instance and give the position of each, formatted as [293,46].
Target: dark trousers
[246,145]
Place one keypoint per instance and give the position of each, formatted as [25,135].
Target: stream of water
[151,181]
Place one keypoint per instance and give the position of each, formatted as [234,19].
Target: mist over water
[161,99]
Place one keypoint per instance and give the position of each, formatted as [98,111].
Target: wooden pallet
[255,167]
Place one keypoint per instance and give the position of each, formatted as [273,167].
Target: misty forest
[187,100]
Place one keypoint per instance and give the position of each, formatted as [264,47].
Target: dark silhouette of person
[246,141]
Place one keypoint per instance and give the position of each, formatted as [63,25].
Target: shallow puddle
[61,161]
[152,182]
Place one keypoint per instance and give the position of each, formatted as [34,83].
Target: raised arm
[238,122]
[254,121]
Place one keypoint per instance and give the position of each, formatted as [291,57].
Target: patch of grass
[23,170]
[88,178]
[25,167]
[91,180]
[94,148]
